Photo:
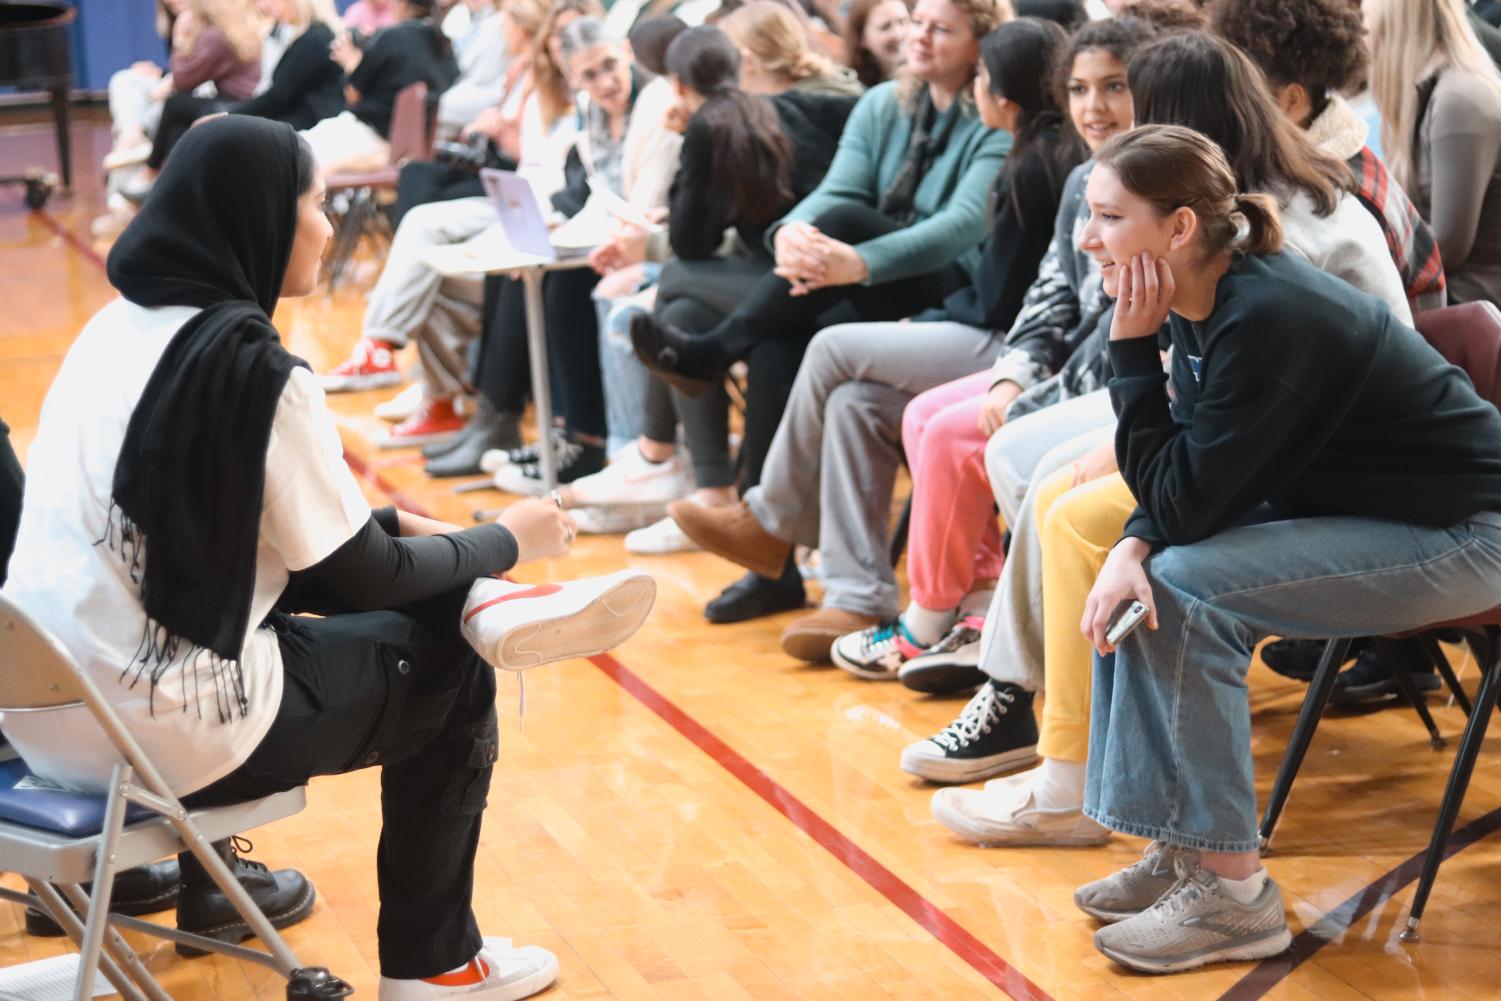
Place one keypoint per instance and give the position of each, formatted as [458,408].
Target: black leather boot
[145,889]
[285,896]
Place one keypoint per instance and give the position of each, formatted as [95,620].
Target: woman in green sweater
[893,228]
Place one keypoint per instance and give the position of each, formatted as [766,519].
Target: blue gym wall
[111,34]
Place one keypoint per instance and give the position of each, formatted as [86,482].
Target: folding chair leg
[1314,702]
[1446,671]
[104,881]
[111,961]
[117,949]
[1459,781]
[1395,655]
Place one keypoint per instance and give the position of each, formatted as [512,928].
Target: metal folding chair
[58,840]
[1468,336]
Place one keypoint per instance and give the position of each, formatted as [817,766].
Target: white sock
[927,626]
[976,602]
[1243,891]
[1059,785]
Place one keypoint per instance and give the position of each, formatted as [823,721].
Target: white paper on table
[484,253]
[619,207]
[47,980]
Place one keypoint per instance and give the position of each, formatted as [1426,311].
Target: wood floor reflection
[701,817]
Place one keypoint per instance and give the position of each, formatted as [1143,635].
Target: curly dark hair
[1319,44]
[1168,15]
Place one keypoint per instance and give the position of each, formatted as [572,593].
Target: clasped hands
[810,260]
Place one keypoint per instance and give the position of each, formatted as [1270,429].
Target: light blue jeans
[1170,733]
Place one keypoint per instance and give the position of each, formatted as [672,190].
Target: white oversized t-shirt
[82,592]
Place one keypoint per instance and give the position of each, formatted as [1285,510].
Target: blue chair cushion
[74,814]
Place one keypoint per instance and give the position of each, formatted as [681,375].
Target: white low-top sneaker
[520,626]
[630,479]
[658,539]
[403,405]
[1010,817]
[615,520]
[501,972]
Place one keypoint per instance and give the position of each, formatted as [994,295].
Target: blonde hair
[553,93]
[1174,167]
[237,19]
[312,11]
[527,15]
[776,39]
[983,15]
[1411,40]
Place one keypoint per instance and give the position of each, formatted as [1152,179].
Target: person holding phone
[1310,467]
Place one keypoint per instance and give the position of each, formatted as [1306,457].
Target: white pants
[346,143]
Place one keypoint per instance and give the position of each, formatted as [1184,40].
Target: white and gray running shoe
[1135,888]
[1198,923]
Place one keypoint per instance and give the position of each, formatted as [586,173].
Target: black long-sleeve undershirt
[378,569]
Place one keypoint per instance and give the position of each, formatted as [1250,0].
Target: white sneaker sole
[602,623]
[358,383]
[1015,837]
[857,669]
[1273,945]
[406,441]
[958,771]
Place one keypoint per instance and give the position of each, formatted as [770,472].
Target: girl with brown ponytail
[1311,467]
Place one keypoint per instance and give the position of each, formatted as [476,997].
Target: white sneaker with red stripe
[501,972]
[372,365]
[520,626]
[433,420]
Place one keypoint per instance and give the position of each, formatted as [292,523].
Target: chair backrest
[411,136]
[36,671]
[1469,336]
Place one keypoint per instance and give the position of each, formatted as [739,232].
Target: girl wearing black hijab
[188,495]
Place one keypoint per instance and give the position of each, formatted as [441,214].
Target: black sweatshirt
[1302,392]
[398,56]
[306,85]
[1010,256]
[377,569]
[699,206]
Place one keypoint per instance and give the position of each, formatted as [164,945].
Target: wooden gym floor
[697,816]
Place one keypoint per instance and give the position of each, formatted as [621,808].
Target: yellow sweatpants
[1079,525]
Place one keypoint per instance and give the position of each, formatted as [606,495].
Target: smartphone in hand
[1126,619]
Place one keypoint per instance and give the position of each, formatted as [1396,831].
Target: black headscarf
[215,232]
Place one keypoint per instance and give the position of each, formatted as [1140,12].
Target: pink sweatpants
[954,538]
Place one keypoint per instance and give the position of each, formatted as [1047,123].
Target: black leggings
[424,181]
[179,112]
[502,371]
[771,329]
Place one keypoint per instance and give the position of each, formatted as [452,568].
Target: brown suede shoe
[734,534]
[811,637]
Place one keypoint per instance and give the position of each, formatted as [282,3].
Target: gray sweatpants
[829,475]
[412,301]
[1019,457]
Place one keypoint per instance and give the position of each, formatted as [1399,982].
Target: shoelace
[239,847]
[879,635]
[567,453]
[983,712]
[1185,890]
[963,633]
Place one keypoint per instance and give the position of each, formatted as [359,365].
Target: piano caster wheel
[314,983]
[1411,934]
[38,189]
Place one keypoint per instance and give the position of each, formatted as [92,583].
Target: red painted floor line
[71,238]
[887,883]
[1254,985]
[891,886]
